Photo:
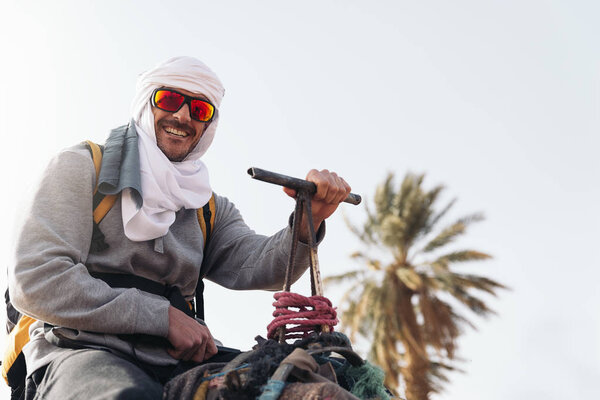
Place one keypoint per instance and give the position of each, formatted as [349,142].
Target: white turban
[185,73]
[169,186]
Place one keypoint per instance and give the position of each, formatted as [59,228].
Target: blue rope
[272,390]
[208,378]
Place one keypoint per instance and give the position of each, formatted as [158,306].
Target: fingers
[289,192]
[331,188]
[189,339]
[200,354]
[211,349]
[206,350]
[344,189]
[196,348]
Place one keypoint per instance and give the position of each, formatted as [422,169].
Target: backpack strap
[206,218]
[101,203]
[171,293]
[13,368]
[13,363]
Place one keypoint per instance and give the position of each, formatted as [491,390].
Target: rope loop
[310,314]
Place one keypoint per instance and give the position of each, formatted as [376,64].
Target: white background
[498,100]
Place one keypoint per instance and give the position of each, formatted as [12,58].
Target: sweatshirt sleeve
[238,258]
[49,280]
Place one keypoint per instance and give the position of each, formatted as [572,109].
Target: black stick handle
[293,183]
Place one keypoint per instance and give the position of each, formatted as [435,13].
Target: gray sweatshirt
[51,280]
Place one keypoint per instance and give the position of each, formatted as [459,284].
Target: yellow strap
[109,200]
[202,390]
[104,207]
[97,158]
[19,336]
[202,221]
[212,207]
[16,340]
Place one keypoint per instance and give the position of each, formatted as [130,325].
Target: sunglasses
[172,101]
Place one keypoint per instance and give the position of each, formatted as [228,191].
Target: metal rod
[315,272]
[315,276]
[289,272]
[294,183]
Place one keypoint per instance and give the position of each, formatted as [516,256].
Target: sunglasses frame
[186,100]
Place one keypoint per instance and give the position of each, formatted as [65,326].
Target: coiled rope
[311,315]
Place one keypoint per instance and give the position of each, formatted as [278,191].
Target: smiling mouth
[176,132]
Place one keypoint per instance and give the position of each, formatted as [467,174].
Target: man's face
[177,133]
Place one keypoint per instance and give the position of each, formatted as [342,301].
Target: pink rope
[311,314]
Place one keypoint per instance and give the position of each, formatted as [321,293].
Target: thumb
[289,192]
[173,352]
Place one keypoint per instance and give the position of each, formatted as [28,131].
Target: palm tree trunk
[416,364]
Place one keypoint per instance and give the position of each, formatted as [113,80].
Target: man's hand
[331,191]
[190,340]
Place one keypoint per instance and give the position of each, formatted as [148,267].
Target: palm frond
[410,278]
[346,276]
[351,292]
[445,237]
[478,282]
[429,280]
[462,256]
[384,196]
[353,228]
[366,233]
[451,232]
[439,268]
[350,315]
[369,262]
[418,212]
[370,226]
[439,327]
[392,231]
[409,311]
[408,189]
[475,304]
[358,316]
[469,219]
[437,375]
[462,321]
[438,216]
[384,350]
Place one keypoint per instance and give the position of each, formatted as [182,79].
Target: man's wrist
[304,234]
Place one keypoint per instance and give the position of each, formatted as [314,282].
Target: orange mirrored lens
[201,110]
[168,101]
[171,101]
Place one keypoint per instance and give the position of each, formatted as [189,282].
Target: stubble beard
[171,151]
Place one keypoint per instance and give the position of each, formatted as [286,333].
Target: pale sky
[497,100]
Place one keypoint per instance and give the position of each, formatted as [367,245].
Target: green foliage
[406,308]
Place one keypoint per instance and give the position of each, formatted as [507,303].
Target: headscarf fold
[169,186]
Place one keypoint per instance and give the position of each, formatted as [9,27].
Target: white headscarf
[168,186]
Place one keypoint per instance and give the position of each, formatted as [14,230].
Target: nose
[183,115]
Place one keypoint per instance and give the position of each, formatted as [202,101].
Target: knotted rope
[312,314]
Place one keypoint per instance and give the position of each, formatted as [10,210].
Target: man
[91,339]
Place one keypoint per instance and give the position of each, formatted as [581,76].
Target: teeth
[176,132]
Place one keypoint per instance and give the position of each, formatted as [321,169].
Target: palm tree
[406,307]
